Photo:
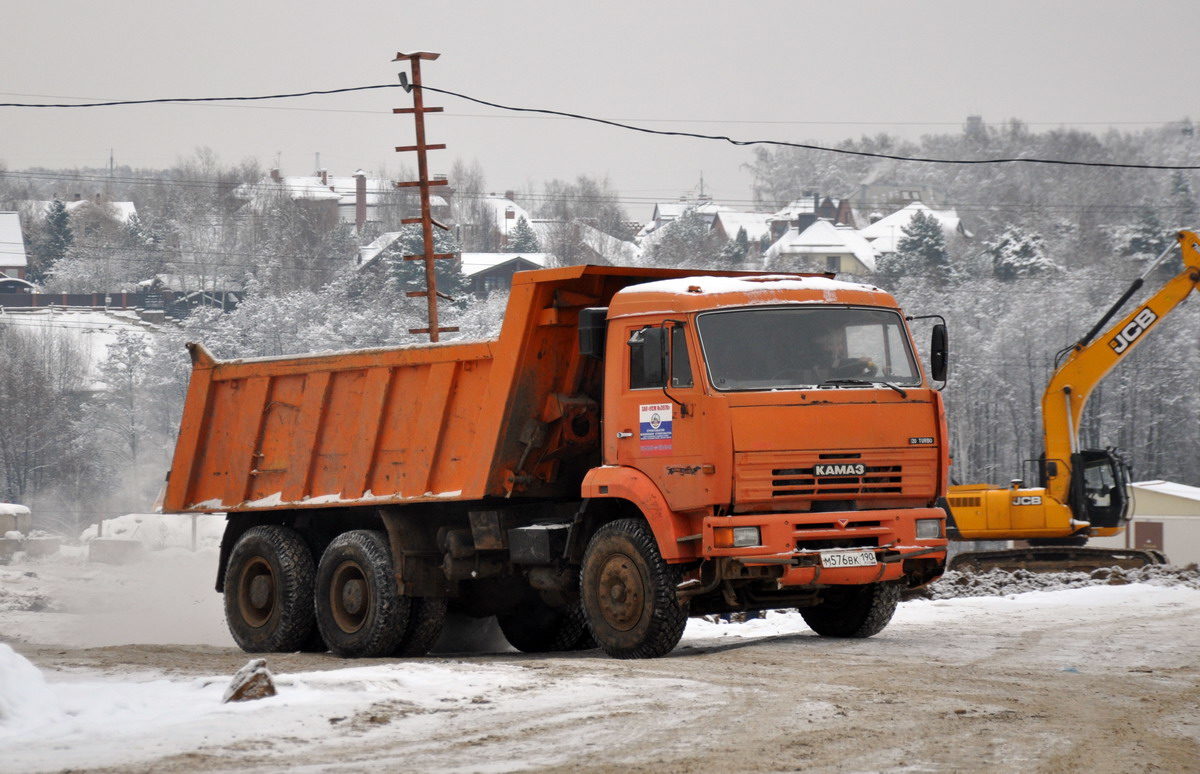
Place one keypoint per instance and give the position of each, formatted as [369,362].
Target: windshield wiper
[865,383]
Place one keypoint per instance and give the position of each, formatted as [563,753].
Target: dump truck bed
[457,421]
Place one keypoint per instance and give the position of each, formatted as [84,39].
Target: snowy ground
[1103,678]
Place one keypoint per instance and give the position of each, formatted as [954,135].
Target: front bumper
[794,541]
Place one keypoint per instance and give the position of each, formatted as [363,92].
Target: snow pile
[22,602]
[1001,582]
[25,698]
[157,531]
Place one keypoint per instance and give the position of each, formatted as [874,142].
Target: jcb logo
[1133,331]
[1027,501]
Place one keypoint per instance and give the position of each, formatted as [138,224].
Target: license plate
[848,559]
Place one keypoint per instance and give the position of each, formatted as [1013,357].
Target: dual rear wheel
[278,599]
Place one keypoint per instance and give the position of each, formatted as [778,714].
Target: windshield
[790,347]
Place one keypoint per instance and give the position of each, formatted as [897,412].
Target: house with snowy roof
[800,213]
[77,206]
[356,199]
[822,246]
[14,263]
[668,212]
[583,243]
[727,224]
[486,272]
[885,233]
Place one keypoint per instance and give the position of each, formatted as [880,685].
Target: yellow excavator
[1083,492]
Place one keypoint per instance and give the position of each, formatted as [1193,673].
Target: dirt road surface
[1097,679]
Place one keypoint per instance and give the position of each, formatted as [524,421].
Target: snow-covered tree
[920,252]
[734,253]
[1018,253]
[686,241]
[522,239]
[52,243]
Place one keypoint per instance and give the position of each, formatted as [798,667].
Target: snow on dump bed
[762,283]
[1001,582]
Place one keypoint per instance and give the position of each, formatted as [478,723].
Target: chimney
[360,200]
[275,175]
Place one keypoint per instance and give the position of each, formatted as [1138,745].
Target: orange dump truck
[637,446]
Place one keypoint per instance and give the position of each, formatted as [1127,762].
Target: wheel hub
[349,597]
[622,592]
[256,592]
[354,596]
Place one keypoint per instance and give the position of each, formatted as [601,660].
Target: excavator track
[1055,559]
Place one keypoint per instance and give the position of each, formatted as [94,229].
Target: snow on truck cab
[637,446]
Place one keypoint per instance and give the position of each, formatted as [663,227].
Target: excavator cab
[1100,488]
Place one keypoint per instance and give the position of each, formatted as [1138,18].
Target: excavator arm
[1093,356]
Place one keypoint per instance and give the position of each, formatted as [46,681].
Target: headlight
[929,528]
[737,537]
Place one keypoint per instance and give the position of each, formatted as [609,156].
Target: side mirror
[939,353]
[649,348]
[593,325]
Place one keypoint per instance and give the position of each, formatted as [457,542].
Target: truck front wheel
[269,590]
[359,612]
[629,592]
[853,611]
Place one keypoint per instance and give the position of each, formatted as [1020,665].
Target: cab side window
[680,365]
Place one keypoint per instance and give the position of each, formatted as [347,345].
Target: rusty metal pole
[423,183]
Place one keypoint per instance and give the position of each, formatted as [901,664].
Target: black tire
[535,627]
[586,641]
[629,592]
[854,611]
[359,612]
[426,617]
[269,591]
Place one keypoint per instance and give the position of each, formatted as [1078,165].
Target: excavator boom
[1083,492]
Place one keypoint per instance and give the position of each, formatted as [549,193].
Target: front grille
[877,479]
[785,479]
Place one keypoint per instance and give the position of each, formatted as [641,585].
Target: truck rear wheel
[853,611]
[359,612]
[535,627]
[426,617]
[269,591]
[629,592]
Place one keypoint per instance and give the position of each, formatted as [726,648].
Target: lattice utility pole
[426,220]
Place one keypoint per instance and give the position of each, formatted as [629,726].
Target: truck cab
[784,428]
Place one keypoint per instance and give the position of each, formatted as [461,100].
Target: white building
[822,247]
[1166,516]
[13,261]
[885,233]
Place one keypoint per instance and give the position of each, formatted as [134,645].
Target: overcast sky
[781,70]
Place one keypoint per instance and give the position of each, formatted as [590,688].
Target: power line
[748,121]
[618,124]
[804,146]
[160,100]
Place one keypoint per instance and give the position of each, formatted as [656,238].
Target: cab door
[652,425]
